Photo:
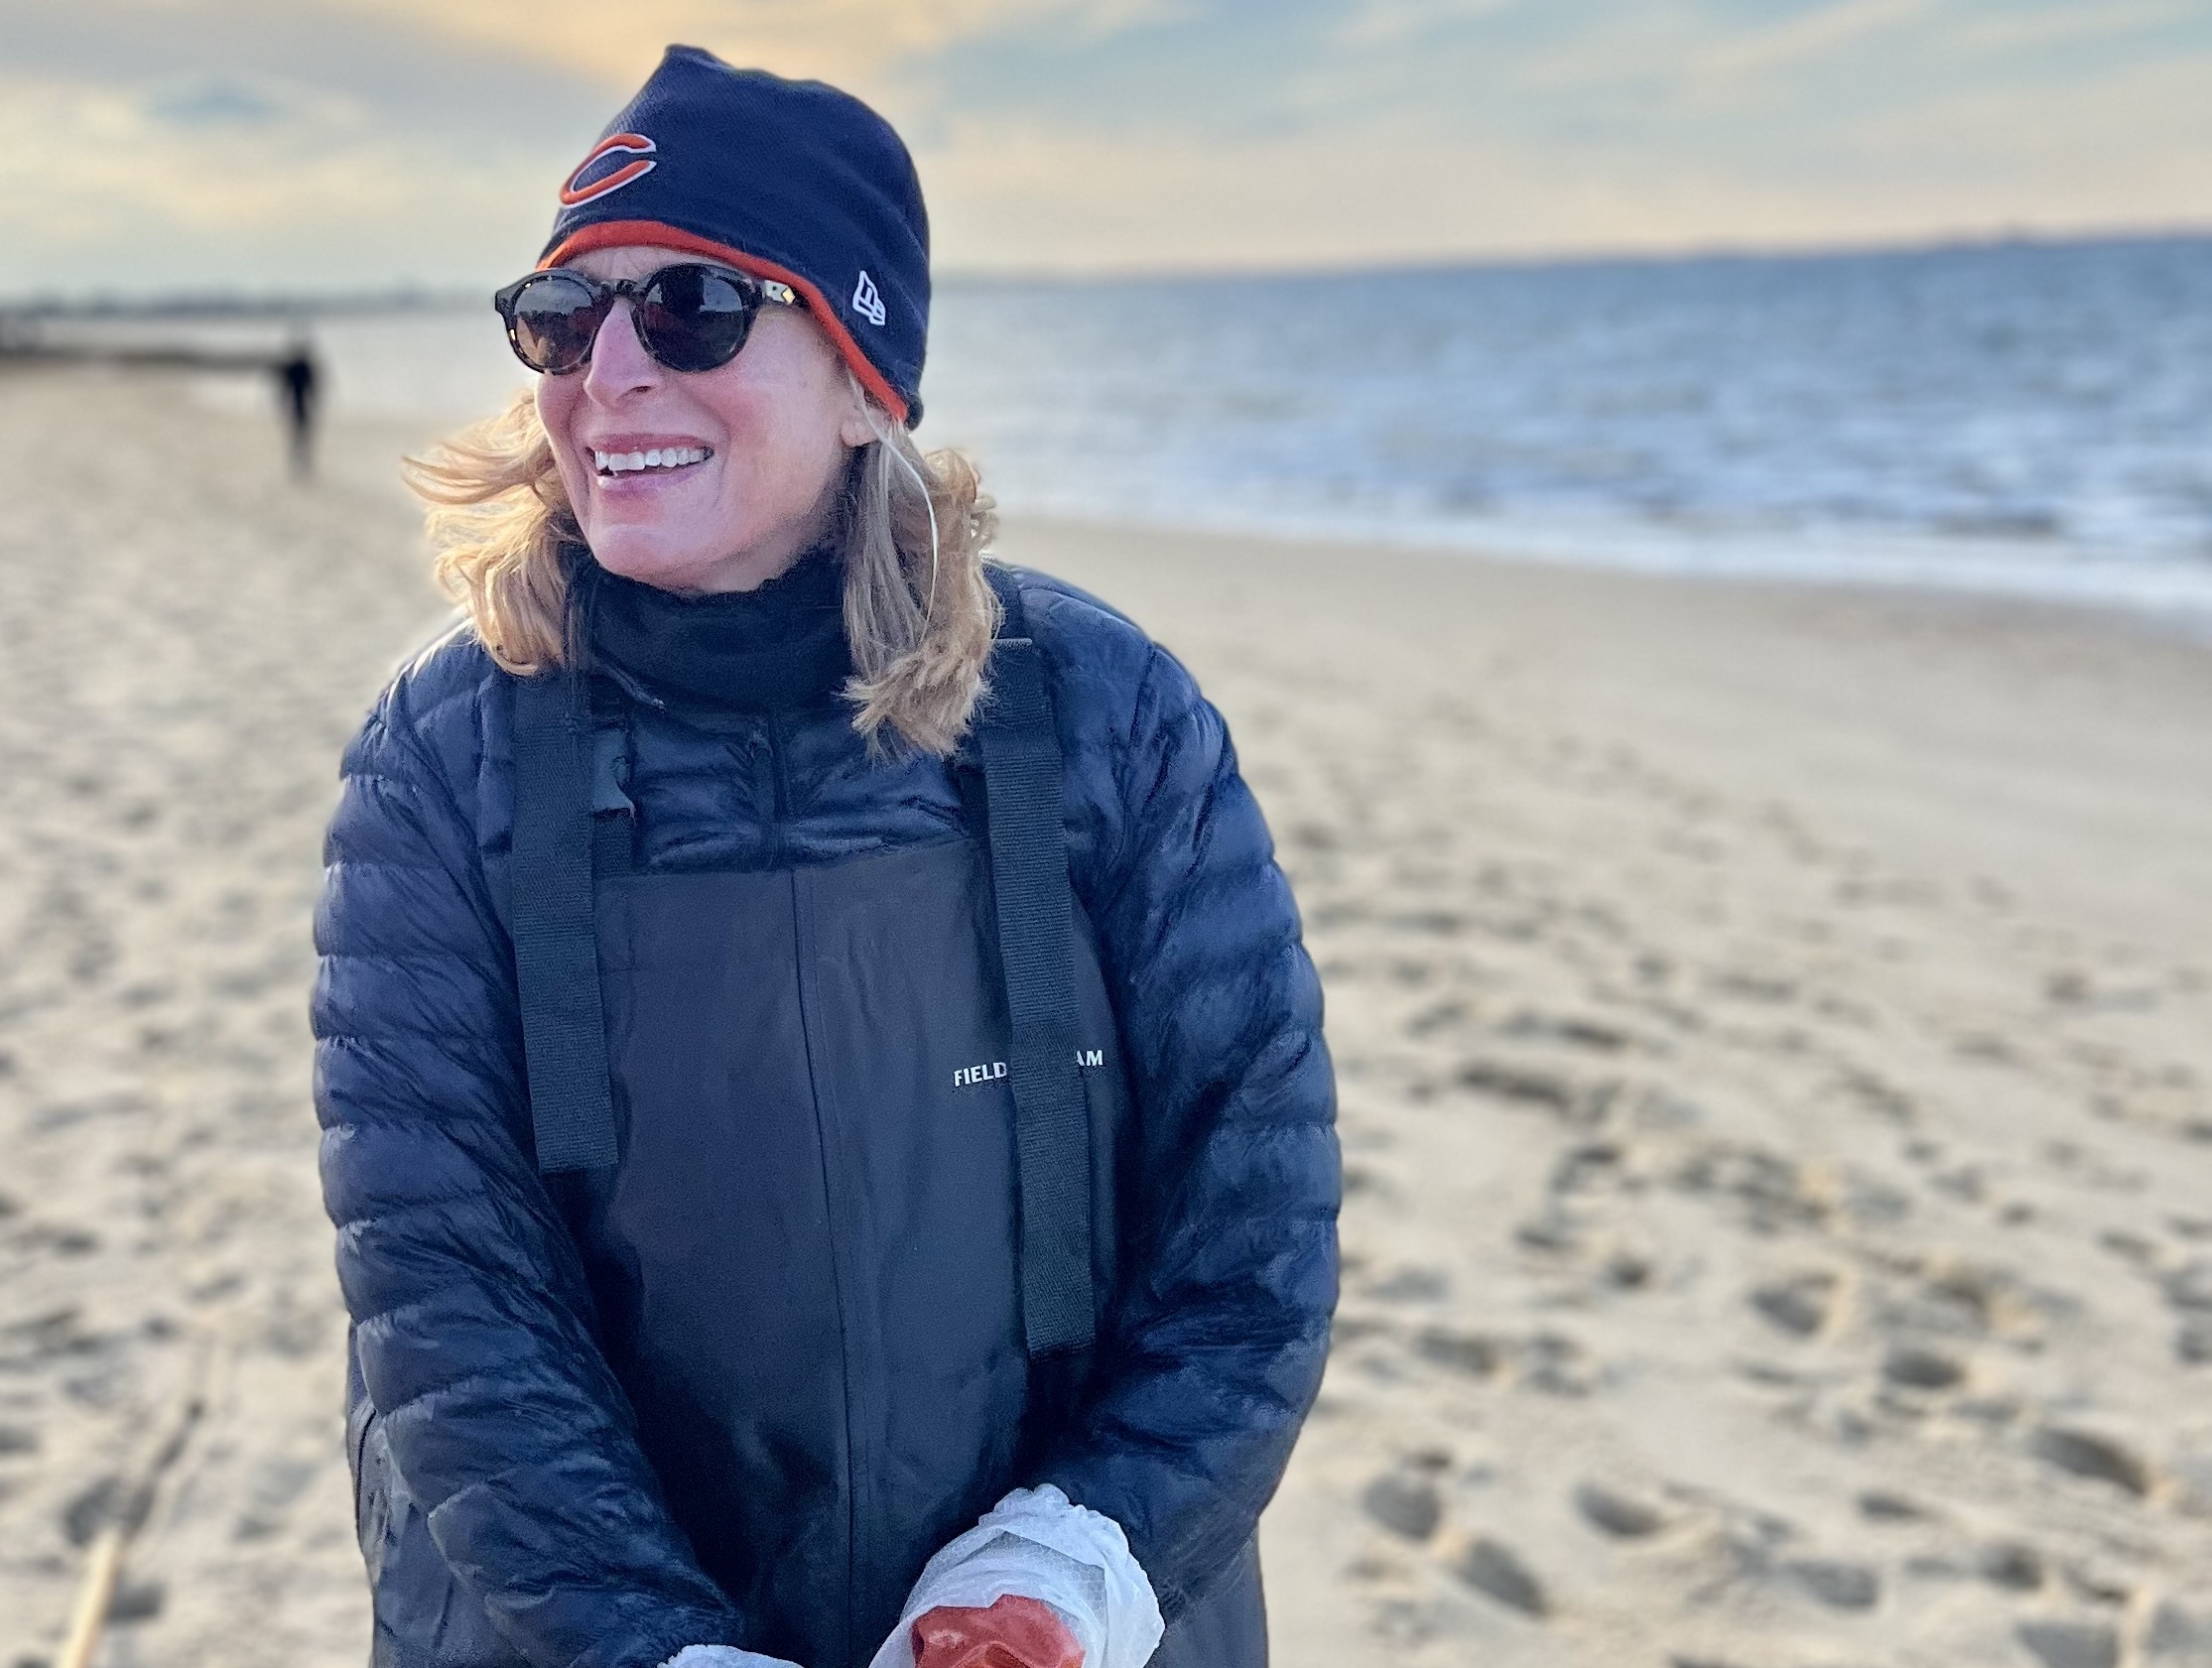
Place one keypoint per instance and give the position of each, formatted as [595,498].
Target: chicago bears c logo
[635,145]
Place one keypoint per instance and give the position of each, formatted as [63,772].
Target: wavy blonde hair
[919,614]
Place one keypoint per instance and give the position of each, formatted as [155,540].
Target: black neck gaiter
[778,647]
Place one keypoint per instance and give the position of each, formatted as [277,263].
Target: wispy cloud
[851,40]
[177,178]
[2072,24]
[1814,35]
[1373,23]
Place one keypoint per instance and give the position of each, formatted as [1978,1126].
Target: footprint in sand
[2012,1566]
[1404,1503]
[1520,1086]
[2098,1458]
[1567,1030]
[1411,1285]
[1834,1582]
[2058,1643]
[1801,1305]
[1491,1568]
[2187,1291]
[1769,1189]
[1478,1355]
[1880,1505]
[1911,1368]
[2178,1637]
[1623,1516]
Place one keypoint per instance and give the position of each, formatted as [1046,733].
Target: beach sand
[1772,1028]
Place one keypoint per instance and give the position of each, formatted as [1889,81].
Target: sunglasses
[690,316]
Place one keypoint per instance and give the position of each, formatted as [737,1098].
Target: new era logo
[866,302]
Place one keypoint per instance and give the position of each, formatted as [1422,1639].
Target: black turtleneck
[770,649]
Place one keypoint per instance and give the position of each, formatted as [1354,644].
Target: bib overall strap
[557,953]
[1020,750]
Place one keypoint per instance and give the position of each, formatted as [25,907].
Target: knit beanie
[790,180]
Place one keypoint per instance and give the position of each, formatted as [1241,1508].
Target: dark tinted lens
[692,317]
[553,323]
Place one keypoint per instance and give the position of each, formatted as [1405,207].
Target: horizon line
[415,294]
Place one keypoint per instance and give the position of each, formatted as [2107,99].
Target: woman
[824,1106]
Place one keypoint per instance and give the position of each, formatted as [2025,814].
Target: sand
[1773,1027]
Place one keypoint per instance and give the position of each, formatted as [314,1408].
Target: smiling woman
[826,1107]
[707,481]
[712,479]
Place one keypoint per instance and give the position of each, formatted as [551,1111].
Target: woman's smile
[638,470]
[661,460]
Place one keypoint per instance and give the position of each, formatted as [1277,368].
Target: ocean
[2032,417]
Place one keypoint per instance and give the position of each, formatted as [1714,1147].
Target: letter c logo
[635,145]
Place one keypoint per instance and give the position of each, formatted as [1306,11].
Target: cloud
[219,102]
[1373,23]
[361,141]
[2012,30]
[850,41]
[214,182]
[1816,35]
[1040,197]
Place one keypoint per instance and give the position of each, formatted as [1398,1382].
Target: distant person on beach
[824,1099]
[295,391]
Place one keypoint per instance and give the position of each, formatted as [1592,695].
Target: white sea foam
[2031,419]
[2021,418]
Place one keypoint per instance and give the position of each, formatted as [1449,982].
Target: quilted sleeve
[1215,1348]
[468,1299]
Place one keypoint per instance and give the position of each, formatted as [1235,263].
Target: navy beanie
[792,180]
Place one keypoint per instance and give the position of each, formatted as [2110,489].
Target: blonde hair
[919,612]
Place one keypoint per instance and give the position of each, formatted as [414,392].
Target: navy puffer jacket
[478,1344]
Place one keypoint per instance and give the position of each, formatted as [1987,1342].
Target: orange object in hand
[1014,1632]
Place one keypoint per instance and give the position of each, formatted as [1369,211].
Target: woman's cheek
[553,416]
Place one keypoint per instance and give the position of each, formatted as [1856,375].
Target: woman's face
[776,425]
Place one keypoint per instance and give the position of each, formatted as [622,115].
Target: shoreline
[2171,595]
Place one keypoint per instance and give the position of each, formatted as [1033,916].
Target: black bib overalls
[807,1260]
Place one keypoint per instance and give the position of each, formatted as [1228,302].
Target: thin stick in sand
[103,1569]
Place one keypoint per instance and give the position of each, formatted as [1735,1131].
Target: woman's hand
[1013,1632]
[1039,1582]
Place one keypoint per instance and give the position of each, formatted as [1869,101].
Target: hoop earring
[928,503]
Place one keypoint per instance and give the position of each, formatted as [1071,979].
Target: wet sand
[1772,1028]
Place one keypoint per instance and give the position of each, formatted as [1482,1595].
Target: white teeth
[660,457]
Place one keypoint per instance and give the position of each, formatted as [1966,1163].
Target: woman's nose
[620,363]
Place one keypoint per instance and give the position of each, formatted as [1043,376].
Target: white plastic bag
[724,1656]
[1038,1544]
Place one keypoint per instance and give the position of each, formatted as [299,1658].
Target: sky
[158,145]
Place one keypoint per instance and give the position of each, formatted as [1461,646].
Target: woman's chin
[658,557]
[647,556]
